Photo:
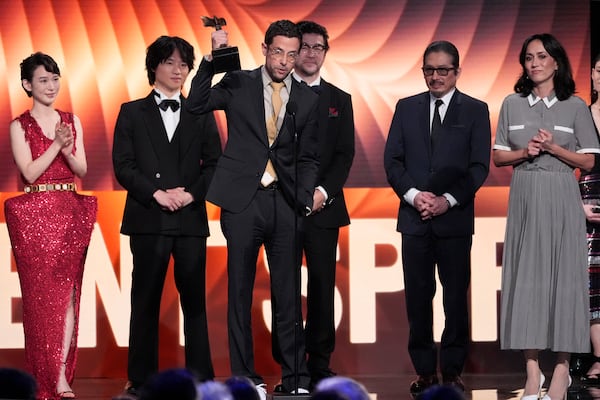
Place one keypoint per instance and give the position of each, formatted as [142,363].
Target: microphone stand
[291,111]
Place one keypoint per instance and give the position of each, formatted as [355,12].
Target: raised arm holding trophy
[225,58]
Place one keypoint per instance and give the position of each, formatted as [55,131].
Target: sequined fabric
[49,234]
[589,185]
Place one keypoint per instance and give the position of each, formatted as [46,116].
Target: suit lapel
[287,127]
[453,111]
[423,118]
[324,103]
[257,93]
[155,126]
[185,130]
[450,119]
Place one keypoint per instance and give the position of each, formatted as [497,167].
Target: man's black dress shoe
[318,376]
[130,393]
[454,381]
[423,382]
[280,389]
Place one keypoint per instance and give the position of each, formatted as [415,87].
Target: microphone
[291,110]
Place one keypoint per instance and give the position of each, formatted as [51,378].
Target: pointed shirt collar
[549,101]
[316,82]
[160,96]
[266,79]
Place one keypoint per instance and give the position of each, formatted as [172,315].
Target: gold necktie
[272,131]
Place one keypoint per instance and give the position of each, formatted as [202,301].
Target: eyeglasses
[442,71]
[316,48]
[280,53]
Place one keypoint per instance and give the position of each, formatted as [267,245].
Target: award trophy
[226,58]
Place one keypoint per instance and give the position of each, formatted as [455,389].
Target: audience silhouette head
[346,388]
[177,383]
[213,390]
[17,384]
[328,395]
[242,388]
[442,392]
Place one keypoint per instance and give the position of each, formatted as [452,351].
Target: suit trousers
[420,255]
[151,254]
[268,220]
[320,250]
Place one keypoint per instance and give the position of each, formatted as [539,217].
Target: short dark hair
[313,27]
[445,47]
[283,27]
[564,85]
[163,48]
[31,63]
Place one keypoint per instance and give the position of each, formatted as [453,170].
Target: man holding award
[264,184]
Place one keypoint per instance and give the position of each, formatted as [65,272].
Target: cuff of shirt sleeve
[323,191]
[450,199]
[410,195]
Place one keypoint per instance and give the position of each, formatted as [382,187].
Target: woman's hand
[545,140]
[534,148]
[64,137]
[590,215]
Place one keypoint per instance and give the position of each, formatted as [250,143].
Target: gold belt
[49,187]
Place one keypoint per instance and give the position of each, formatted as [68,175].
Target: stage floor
[478,387]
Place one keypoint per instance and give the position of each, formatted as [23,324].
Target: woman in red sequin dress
[50,226]
[590,192]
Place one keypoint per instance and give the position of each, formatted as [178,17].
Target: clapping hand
[63,135]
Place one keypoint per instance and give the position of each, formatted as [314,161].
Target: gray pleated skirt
[545,300]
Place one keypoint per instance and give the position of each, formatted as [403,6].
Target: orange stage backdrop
[376,52]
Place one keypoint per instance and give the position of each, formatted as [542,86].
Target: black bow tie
[174,104]
[317,89]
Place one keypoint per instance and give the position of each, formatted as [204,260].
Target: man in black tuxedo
[165,156]
[260,198]
[436,157]
[321,228]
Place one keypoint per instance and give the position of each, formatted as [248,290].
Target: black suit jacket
[139,162]
[459,165]
[240,169]
[336,151]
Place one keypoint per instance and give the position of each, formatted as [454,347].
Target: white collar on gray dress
[549,101]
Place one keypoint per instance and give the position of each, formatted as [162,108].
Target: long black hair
[594,91]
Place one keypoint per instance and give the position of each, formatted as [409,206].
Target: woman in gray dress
[545,132]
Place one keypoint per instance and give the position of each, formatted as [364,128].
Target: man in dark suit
[436,157]
[165,156]
[271,121]
[321,228]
